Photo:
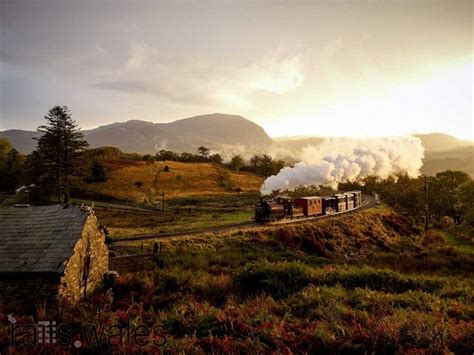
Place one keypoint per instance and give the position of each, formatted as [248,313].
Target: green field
[129,223]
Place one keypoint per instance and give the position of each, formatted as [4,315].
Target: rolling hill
[141,182]
[435,142]
[219,132]
[452,159]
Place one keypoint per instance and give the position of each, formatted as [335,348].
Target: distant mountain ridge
[232,134]
[219,132]
[441,141]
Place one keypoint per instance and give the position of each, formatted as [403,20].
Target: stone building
[50,252]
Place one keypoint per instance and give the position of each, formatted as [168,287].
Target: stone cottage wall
[86,267]
[28,289]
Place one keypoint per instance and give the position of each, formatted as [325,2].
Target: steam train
[283,207]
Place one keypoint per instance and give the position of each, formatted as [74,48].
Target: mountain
[219,132]
[441,141]
[452,159]
[21,140]
[132,136]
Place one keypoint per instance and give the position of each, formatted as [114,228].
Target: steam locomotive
[283,207]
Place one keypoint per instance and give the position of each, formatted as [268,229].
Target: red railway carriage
[312,206]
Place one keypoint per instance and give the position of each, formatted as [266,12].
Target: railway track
[367,203]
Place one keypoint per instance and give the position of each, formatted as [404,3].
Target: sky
[326,68]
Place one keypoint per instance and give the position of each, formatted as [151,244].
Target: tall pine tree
[60,147]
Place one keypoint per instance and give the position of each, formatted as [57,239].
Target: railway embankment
[356,236]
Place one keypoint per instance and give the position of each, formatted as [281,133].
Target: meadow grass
[143,183]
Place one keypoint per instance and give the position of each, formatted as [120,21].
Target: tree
[165,155]
[11,171]
[465,204]
[98,173]
[216,158]
[442,192]
[186,157]
[61,146]
[265,165]
[40,177]
[237,162]
[149,159]
[204,152]
[5,147]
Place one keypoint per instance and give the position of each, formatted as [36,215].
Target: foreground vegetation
[362,283]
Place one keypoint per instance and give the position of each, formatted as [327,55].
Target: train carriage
[341,202]
[357,198]
[350,200]
[329,204]
[312,206]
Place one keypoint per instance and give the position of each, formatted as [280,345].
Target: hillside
[433,142]
[453,159]
[363,283]
[219,132]
[23,141]
[143,183]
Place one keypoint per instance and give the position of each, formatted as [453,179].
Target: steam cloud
[344,159]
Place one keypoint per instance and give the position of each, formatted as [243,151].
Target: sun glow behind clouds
[426,104]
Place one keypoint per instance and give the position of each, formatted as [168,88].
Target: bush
[98,172]
[276,279]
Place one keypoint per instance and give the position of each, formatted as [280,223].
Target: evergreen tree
[98,173]
[40,177]
[11,171]
[60,147]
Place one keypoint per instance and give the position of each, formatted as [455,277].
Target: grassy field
[182,214]
[362,283]
[130,223]
[143,183]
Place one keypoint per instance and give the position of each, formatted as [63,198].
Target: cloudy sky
[353,68]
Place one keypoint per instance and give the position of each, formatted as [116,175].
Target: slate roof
[39,238]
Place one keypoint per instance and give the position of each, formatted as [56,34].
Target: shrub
[98,173]
[384,280]
[277,279]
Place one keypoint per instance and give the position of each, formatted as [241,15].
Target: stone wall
[83,273]
[29,289]
[86,267]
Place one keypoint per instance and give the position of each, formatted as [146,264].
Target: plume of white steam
[345,159]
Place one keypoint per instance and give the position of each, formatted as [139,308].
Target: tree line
[447,194]
[48,169]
